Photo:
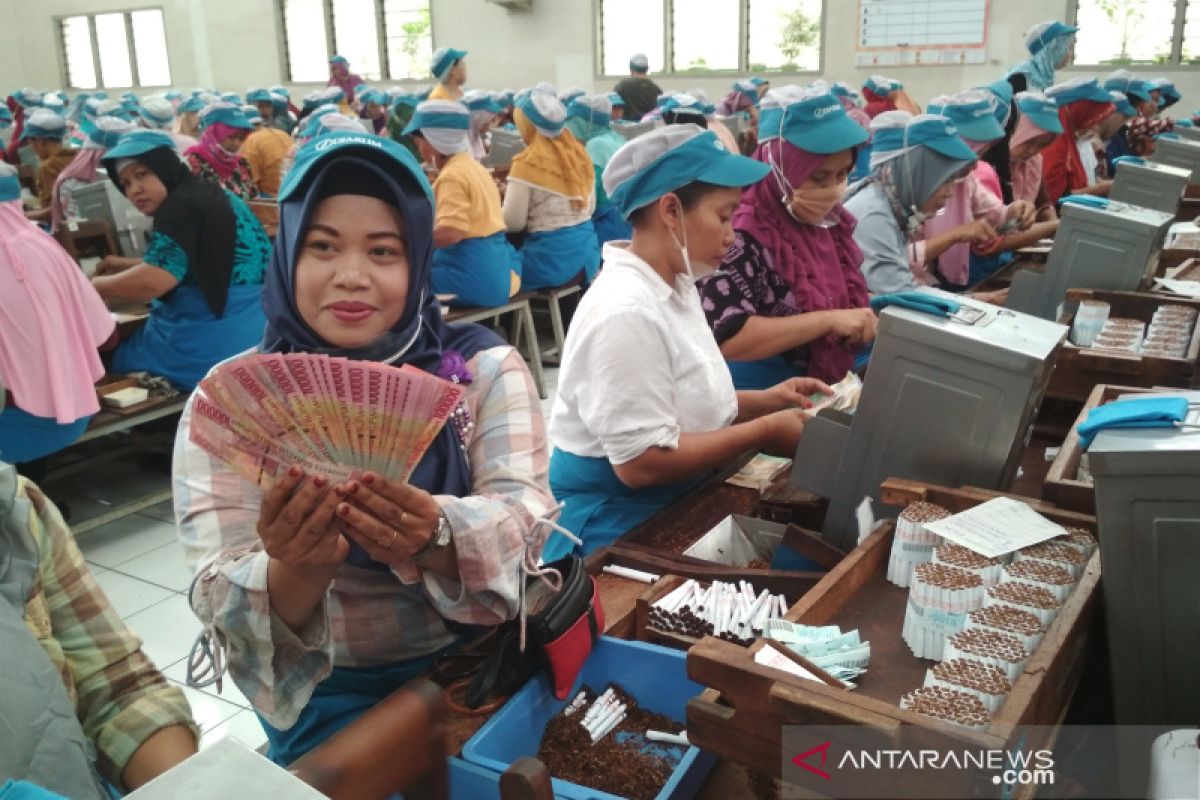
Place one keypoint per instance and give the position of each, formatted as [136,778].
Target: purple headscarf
[821,265]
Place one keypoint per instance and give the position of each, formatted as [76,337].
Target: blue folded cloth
[916,301]
[1089,200]
[1141,412]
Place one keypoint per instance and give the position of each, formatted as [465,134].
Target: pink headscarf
[51,323]
[855,113]
[209,148]
[83,169]
[821,265]
[1027,173]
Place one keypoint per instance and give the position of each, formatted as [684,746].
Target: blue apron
[983,267]
[553,258]
[24,437]
[182,340]
[762,374]
[478,270]
[609,225]
[599,508]
[339,700]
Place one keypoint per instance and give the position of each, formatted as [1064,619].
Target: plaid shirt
[370,618]
[121,699]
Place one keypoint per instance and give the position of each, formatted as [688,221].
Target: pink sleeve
[985,204]
[99,321]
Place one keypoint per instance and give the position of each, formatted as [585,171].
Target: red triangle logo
[801,760]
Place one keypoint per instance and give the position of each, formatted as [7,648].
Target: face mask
[812,206]
[691,273]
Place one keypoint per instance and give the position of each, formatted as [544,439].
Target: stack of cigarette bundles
[948,705]
[1057,579]
[955,555]
[1025,626]
[990,647]
[913,544]
[986,681]
[1062,555]
[843,655]
[601,716]
[1037,600]
[1080,539]
[938,603]
[731,612]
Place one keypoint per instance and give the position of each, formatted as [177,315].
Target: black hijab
[198,216]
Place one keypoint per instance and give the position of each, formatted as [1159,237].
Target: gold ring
[395,536]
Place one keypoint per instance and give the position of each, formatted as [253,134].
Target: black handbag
[562,627]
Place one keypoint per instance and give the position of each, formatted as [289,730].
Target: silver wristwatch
[441,535]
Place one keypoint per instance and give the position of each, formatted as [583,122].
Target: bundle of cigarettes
[990,647]
[604,714]
[725,610]
[913,544]
[1081,539]
[1057,579]
[986,681]
[1063,555]
[955,555]
[1025,626]
[948,705]
[938,602]
[1037,600]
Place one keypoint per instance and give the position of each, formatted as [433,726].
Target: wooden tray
[1062,486]
[1078,371]
[741,714]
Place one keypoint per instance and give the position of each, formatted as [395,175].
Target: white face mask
[693,274]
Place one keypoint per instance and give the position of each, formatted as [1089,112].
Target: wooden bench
[552,298]
[109,421]
[519,307]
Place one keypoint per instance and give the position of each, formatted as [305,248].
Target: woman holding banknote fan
[328,594]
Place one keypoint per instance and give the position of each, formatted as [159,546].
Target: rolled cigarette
[632,574]
[599,705]
[669,738]
[600,734]
[616,710]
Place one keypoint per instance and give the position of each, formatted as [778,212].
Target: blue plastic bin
[655,676]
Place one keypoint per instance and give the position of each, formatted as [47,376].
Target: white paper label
[996,527]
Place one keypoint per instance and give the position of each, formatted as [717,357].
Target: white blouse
[640,366]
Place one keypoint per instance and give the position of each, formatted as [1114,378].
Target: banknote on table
[332,416]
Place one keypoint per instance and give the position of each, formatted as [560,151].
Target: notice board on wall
[921,32]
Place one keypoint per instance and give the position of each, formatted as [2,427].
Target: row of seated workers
[730,256]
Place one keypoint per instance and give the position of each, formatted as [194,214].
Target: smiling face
[352,275]
[143,188]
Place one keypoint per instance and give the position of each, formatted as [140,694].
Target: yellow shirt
[439,93]
[265,151]
[49,170]
[467,198]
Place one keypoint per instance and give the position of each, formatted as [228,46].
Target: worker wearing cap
[450,70]
[638,91]
[44,131]
[473,259]
[646,408]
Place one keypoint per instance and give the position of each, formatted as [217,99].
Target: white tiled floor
[139,563]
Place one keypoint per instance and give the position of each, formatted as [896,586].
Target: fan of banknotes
[331,416]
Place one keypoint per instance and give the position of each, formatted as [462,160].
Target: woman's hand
[793,393]
[978,231]
[1023,212]
[782,431]
[855,325]
[296,522]
[391,520]
[112,264]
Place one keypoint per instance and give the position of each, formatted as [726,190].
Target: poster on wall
[921,32]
